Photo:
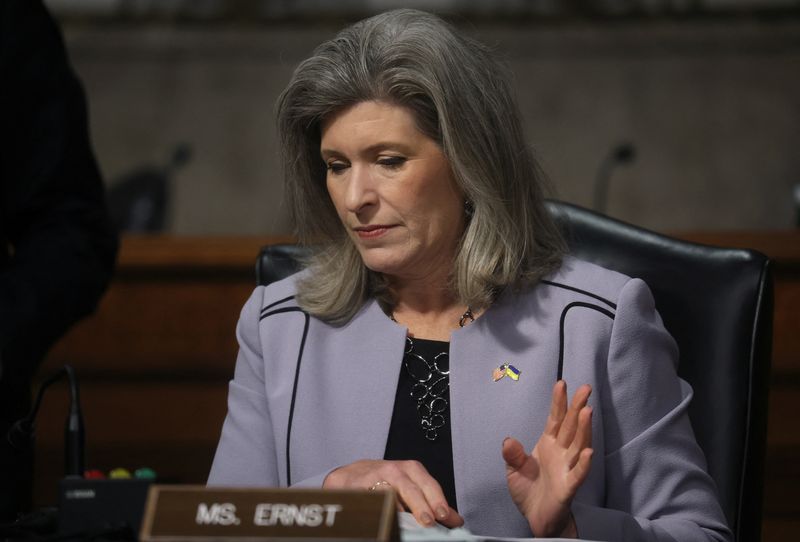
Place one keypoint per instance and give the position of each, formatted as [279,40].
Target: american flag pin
[499,372]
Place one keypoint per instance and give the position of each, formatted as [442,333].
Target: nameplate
[199,513]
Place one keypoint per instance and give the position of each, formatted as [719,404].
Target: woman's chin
[381,264]
[381,267]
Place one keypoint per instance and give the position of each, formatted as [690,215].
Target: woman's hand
[418,491]
[543,483]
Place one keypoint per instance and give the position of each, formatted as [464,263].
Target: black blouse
[420,426]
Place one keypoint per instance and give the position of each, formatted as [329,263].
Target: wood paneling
[156,326]
[786,345]
[170,425]
[155,359]
[780,529]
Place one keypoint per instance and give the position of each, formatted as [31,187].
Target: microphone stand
[624,153]
[22,433]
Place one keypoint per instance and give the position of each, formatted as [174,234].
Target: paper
[411,531]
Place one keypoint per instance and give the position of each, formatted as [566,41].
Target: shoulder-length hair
[460,96]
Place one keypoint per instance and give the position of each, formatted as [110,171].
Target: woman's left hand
[544,482]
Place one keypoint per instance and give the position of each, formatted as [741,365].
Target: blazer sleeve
[246,454]
[657,487]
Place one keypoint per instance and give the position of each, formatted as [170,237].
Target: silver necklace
[431,385]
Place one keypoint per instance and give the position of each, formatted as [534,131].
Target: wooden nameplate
[199,513]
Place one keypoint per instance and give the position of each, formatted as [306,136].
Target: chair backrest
[717,303]
[276,262]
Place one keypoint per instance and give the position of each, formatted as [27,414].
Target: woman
[407,171]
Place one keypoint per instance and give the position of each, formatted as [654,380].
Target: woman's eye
[336,167]
[391,161]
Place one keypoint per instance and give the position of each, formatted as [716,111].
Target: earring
[469,209]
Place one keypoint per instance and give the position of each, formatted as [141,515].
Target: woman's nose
[360,189]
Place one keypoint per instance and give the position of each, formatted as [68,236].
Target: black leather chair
[717,303]
[278,261]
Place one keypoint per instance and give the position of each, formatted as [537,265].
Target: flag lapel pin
[499,373]
[504,370]
[512,372]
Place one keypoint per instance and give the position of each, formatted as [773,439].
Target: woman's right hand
[417,490]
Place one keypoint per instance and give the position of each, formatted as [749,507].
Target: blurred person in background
[57,245]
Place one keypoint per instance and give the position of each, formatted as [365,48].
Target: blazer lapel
[346,392]
[484,411]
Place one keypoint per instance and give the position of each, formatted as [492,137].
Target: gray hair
[460,96]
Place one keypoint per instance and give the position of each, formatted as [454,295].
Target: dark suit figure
[57,247]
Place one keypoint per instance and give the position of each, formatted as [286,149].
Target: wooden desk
[155,359]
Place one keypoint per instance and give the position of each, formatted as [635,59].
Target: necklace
[431,386]
[461,321]
[431,382]
[467,314]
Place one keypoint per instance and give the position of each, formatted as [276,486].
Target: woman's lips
[372,231]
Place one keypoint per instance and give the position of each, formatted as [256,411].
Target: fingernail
[504,441]
[426,518]
[441,512]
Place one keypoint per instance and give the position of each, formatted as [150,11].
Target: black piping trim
[278,302]
[296,382]
[584,292]
[597,308]
[281,310]
[291,406]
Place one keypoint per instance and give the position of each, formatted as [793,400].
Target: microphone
[796,193]
[74,430]
[22,433]
[624,153]
[110,509]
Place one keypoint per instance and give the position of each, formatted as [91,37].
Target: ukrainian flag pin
[504,370]
[512,372]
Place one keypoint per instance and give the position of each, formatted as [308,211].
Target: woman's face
[393,190]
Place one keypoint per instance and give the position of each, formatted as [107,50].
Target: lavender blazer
[308,397]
